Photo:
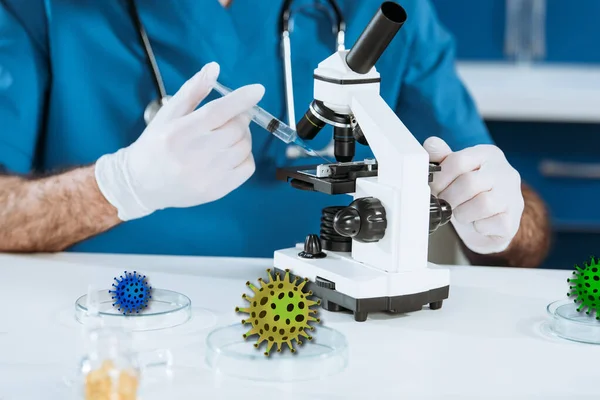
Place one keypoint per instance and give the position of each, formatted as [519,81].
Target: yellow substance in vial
[108,383]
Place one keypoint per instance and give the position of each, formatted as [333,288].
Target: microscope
[370,255]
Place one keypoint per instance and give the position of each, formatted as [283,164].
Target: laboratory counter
[490,339]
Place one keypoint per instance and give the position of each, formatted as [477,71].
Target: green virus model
[279,312]
[586,287]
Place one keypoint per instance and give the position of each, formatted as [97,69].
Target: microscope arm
[402,161]
[401,185]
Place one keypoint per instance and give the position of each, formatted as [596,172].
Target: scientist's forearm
[52,213]
[530,246]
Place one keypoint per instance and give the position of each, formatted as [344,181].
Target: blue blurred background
[542,106]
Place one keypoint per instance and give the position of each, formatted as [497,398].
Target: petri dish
[166,309]
[228,353]
[568,323]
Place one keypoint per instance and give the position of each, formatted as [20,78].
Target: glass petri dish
[568,323]
[166,309]
[228,353]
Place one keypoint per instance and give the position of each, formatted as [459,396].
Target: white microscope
[370,256]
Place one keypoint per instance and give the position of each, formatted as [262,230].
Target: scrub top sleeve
[23,84]
[433,101]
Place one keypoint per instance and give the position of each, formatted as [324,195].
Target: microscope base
[360,289]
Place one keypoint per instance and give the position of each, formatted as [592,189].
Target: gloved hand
[185,157]
[484,191]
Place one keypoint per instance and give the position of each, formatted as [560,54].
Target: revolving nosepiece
[376,37]
[315,119]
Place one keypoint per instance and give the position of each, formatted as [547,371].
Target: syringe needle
[273,125]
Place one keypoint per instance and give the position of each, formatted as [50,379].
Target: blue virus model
[131,293]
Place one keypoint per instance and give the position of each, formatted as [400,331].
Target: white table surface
[540,92]
[487,342]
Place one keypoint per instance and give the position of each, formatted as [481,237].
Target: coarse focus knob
[364,220]
[312,247]
[330,239]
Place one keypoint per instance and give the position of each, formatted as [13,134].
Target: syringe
[267,121]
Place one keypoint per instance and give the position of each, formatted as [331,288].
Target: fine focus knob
[312,247]
[440,213]
[364,220]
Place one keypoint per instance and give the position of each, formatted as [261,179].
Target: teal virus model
[279,312]
[586,287]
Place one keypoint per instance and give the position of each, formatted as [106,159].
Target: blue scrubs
[74,84]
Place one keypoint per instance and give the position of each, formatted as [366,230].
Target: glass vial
[109,370]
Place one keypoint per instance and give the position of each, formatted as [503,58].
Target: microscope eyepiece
[376,37]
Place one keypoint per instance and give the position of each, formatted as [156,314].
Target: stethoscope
[339,29]
[155,105]
[286,27]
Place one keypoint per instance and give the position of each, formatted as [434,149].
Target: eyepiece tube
[376,37]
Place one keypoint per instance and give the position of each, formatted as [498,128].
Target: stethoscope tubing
[150,57]
[339,30]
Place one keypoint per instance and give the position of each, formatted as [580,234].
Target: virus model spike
[279,312]
[586,287]
[131,293]
[262,283]
[301,285]
[252,287]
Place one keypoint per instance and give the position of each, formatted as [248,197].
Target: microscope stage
[334,178]
[345,284]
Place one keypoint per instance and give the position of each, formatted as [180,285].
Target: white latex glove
[185,157]
[484,191]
